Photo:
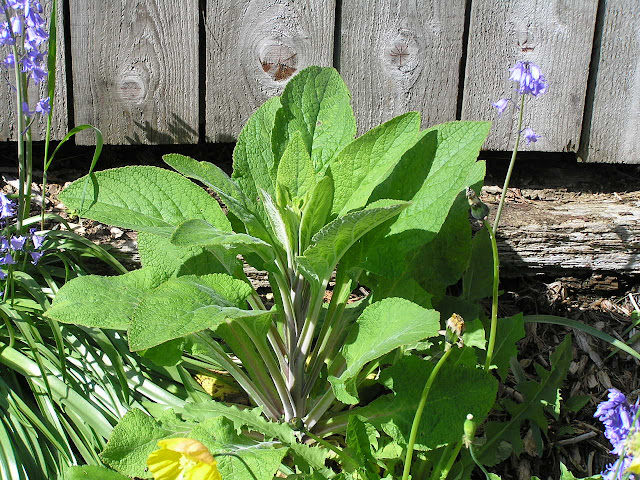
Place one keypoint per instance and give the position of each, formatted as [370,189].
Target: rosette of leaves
[314,207]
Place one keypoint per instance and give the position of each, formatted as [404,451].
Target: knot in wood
[279,61]
[400,53]
[132,89]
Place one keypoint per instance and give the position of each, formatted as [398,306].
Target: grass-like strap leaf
[584,328]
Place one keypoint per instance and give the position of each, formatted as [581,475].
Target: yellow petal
[164,464]
[203,471]
[192,449]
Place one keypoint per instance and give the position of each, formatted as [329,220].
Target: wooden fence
[161,72]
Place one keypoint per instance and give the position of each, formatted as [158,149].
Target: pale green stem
[21,126]
[274,372]
[510,170]
[319,409]
[220,356]
[304,344]
[494,298]
[416,420]
[330,330]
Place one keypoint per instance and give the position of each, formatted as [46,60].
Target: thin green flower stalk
[455,327]
[531,82]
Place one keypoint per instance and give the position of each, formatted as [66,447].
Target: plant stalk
[419,410]
[507,179]
[494,298]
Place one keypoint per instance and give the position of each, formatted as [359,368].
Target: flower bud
[479,210]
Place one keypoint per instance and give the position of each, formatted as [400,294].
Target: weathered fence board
[402,55]
[555,34]
[253,48]
[135,70]
[59,125]
[613,134]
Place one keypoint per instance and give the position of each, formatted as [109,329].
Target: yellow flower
[182,459]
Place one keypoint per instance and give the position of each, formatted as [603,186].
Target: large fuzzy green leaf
[382,327]
[315,104]
[252,420]
[132,441]
[295,170]
[431,175]
[509,332]
[200,233]
[186,305]
[104,302]
[368,160]
[477,282]
[456,392]
[144,198]
[241,206]
[238,457]
[332,242]
[92,472]
[158,252]
[316,210]
[253,162]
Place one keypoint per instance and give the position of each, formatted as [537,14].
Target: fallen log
[559,231]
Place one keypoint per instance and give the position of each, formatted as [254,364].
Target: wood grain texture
[402,55]
[613,133]
[135,70]
[564,232]
[253,48]
[557,35]
[59,126]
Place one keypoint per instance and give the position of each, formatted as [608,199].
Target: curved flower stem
[494,297]
[510,170]
[419,410]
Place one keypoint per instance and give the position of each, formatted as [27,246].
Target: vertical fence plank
[253,48]
[402,55]
[613,129]
[555,34]
[135,70]
[8,127]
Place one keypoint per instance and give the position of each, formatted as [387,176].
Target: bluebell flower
[7,207]
[617,416]
[530,135]
[5,34]
[7,260]
[37,240]
[35,257]
[17,243]
[531,80]
[501,105]
[43,106]
[10,61]
[4,244]
[3,275]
